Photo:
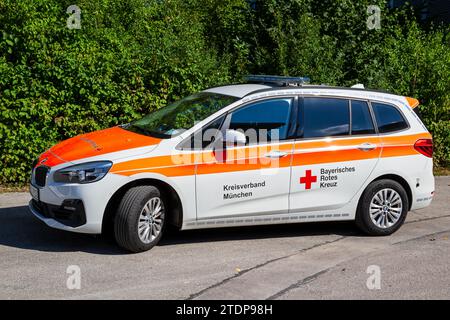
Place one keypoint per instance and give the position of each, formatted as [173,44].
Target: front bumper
[87,201]
[49,221]
[90,228]
[70,213]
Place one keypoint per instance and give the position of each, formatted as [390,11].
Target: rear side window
[388,118]
[324,117]
[361,119]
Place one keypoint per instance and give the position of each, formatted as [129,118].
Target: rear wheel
[139,222]
[382,208]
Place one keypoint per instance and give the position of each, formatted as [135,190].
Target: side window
[204,137]
[324,117]
[388,118]
[361,118]
[263,121]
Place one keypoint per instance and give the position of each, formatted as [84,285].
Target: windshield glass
[179,116]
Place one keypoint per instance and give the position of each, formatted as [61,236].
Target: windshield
[179,116]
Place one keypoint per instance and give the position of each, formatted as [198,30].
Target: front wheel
[139,221]
[382,208]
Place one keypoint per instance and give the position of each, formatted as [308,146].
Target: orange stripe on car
[303,152]
[395,146]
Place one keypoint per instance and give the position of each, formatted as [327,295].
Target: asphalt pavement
[296,261]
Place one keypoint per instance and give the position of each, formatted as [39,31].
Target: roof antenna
[358,86]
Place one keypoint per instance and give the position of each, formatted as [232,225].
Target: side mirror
[234,137]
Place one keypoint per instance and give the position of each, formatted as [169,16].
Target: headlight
[83,173]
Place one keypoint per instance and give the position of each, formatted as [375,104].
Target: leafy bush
[128,58]
[132,57]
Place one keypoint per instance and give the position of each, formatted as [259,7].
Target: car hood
[94,144]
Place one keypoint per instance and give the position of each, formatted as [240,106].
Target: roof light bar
[280,80]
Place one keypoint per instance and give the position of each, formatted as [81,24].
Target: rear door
[335,152]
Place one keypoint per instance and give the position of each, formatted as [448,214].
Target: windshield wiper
[146,132]
[139,130]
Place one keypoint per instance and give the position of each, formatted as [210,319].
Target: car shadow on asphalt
[20,229]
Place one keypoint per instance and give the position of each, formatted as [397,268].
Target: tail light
[425,147]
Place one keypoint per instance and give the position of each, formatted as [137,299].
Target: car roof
[239,90]
[323,87]
[243,90]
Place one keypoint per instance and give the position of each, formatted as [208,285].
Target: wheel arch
[175,206]
[402,181]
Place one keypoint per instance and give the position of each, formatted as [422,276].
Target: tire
[138,226]
[382,208]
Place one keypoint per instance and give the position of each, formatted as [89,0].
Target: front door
[253,179]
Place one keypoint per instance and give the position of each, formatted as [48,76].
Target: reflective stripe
[305,152]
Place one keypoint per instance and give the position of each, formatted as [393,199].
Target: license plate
[34,192]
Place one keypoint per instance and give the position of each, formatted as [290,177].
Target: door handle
[367,146]
[276,154]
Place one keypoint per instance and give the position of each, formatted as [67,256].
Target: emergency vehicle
[273,150]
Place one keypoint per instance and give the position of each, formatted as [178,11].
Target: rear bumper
[423,188]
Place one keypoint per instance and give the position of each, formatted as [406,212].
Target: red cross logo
[308,179]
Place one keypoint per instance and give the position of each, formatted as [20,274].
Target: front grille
[40,175]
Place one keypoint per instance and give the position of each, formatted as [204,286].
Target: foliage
[132,57]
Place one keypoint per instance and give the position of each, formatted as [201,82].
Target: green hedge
[131,57]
